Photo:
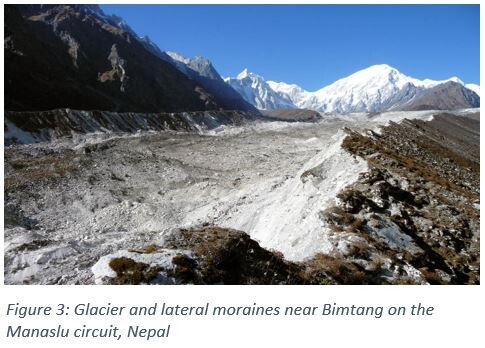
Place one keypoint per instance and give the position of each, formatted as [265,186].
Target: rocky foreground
[340,201]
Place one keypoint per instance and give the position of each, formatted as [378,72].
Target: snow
[475,88]
[295,93]
[374,89]
[178,57]
[427,83]
[254,89]
[245,73]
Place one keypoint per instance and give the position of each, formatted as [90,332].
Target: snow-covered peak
[256,91]
[373,89]
[197,60]
[178,57]
[457,80]
[198,65]
[372,78]
[376,88]
[382,70]
[247,74]
[243,74]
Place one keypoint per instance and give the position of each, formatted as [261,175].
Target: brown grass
[339,269]
[130,272]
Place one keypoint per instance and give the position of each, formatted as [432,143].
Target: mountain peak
[178,57]
[246,73]
[375,88]
[378,70]
[456,79]
[256,91]
[381,67]
[243,74]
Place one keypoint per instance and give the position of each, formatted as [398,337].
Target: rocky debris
[30,127]
[72,201]
[414,207]
[292,115]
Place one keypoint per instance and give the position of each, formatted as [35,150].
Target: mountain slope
[254,89]
[73,56]
[203,72]
[294,92]
[376,88]
[446,96]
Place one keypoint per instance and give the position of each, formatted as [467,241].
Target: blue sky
[314,45]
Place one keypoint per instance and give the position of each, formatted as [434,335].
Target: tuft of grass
[357,225]
[431,277]
[308,175]
[339,269]
[185,268]
[130,272]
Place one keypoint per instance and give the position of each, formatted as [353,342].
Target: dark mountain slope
[203,72]
[67,56]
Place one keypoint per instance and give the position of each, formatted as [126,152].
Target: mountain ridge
[373,89]
[76,56]
[254,89]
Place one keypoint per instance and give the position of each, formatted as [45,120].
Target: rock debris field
[73,204]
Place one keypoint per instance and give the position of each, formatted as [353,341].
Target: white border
[457,321]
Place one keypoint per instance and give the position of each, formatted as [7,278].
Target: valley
[74,204]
